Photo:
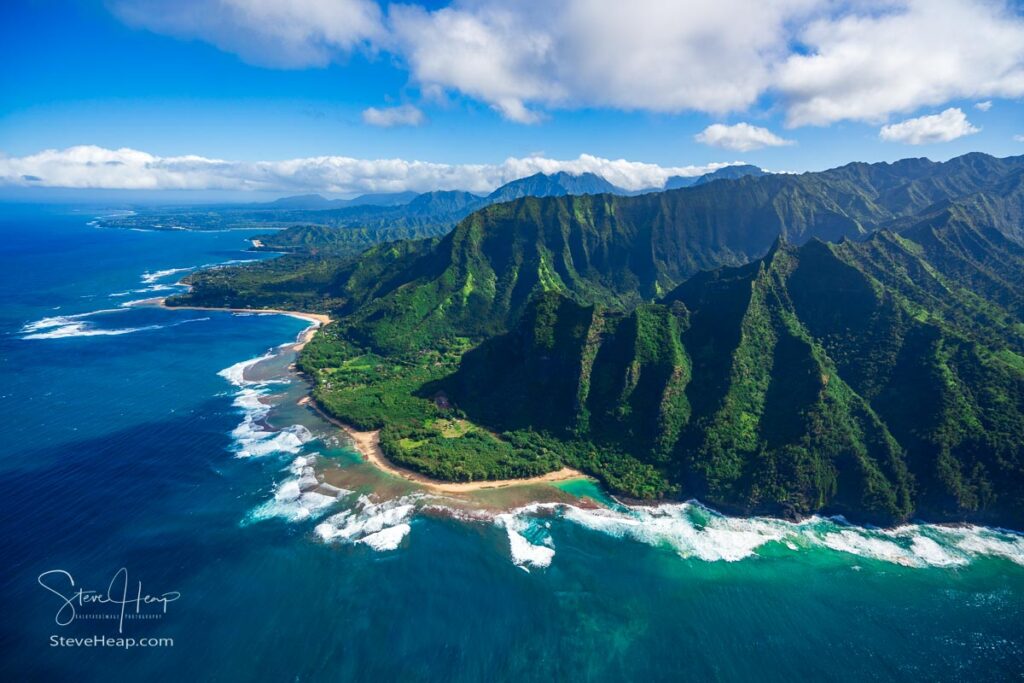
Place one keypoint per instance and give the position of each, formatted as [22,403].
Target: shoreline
[367,444]
[318,319]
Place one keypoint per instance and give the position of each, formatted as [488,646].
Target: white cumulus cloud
[387,117]
[91,167]
[983,106]
[1018,138]
[899,55]
[817,61]
[948,125]
[710,55]
[283,33]
[741,137]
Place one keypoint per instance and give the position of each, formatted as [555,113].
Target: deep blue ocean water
[123,446]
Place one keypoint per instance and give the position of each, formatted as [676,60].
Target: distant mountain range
[317,225]
[849,341]
[434,213]
[728,173]
[537,185]
[315,202]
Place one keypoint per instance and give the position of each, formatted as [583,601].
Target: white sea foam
[150,277]
[236,373]
[387,539]
[299,497]
[78,325]
[683,527]
[693,531]
[253,438]
[158,288]
[529,542]
[382,526]
[261,443]
[63,320]
[82,329]
[135,302]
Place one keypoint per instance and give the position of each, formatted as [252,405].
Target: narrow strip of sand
[368,445]
[320,319]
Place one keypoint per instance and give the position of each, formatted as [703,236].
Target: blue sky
[804,86]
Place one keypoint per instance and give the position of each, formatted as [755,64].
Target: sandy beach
[368,445]
[320,319]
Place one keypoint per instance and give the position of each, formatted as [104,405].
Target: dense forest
[848,341]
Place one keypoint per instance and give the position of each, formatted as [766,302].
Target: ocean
[158,460]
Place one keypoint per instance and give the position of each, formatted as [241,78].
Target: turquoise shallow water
[123,436]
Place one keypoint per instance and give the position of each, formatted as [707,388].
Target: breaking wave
[299,497]
[79,325]
[529,540]
[150,277]
[382,526]
[696,532]
[253,437]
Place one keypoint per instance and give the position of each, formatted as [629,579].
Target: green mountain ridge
[795,384]
[477,279]
[553,185]
[850,341]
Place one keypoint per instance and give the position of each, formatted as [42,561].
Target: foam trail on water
[696,532]
[63,320]
[78,325]
[236,373]
[150,277]
[529,542]
[253,438]
[136,302]
[381,526]
[299,497]
[81,329]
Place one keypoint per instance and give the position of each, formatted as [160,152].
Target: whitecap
[301,496]
[253,442]
[81,329]
[252,437]
[689,529]
[236,373]
[695,532]
[529,543]
[150,277]
[135,302]
[63,320]
[387,539]
[382,526]
[159,288]
[63,327]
